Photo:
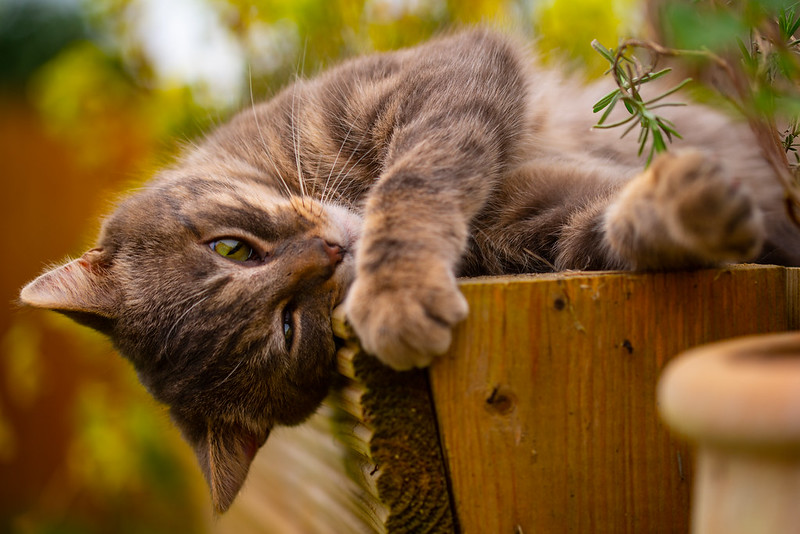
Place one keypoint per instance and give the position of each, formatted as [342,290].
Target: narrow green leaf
[606,100]
[668,128]
[658,141]
[628,129]
[610,107]
[668,105]
[628,106]
[603,51]
[669,92]
[643,140]
[654,75]
[614,125]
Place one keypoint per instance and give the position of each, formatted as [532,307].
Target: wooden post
[544,409]
[546,402]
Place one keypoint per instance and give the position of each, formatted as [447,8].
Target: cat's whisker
[294,127]
[540,258]
[261,134]
[350,125]
[339,153]
[235,368]
[315,181]
[296,143]
[345,172]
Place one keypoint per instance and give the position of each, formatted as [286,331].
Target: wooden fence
[541,418]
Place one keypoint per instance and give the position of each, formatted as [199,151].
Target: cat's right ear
[83,289]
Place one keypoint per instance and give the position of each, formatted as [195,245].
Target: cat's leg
[404,301]
[685,210]
[457,120]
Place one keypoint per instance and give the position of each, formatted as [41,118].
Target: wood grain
[546,401]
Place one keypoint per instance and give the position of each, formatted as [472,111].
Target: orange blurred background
[82,447]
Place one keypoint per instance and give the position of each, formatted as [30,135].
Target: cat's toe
[706,209]
[406,327]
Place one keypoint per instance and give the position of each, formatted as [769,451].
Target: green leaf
[654,75]
[668,127]
[606,100]
[603,51]
[629,106]
[642,140]
[610,108]
[669,92]
[658,141]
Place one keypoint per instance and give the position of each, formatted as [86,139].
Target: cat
[376,184]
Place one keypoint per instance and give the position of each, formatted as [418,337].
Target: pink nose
[334,252]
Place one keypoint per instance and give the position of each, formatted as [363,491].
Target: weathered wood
[793,297]
[546,401]
[368,462]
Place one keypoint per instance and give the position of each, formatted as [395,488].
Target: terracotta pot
[739,401]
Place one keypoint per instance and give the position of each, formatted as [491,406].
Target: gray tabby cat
[381,181]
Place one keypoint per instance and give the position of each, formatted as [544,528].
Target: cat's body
[384,179]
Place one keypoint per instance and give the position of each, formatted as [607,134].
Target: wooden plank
[368,462]
[546,401]
[546,410]
[793,297]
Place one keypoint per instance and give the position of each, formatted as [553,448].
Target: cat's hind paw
[706,209]
[409,323]
[685,210]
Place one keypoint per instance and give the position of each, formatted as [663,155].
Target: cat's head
[219,289]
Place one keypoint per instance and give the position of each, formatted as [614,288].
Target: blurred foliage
[756,37]
[30,36]
[89,107]
[566,29]
[745,54]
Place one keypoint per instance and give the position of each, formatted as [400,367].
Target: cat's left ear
[225,452]
[84,289]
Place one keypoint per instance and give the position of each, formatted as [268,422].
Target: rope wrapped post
[394,429]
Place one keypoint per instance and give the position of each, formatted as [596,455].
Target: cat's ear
[83,289]
[225,453]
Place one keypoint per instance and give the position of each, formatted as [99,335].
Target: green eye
[233,249]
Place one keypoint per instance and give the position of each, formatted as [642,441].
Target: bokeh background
[96,94]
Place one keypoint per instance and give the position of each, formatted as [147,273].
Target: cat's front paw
[408,321]
[705,209]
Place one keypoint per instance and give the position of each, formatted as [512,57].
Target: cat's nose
[335,252]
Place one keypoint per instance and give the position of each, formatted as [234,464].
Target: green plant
[752,53]
[630,76]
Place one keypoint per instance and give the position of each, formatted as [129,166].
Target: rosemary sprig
[630,76]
